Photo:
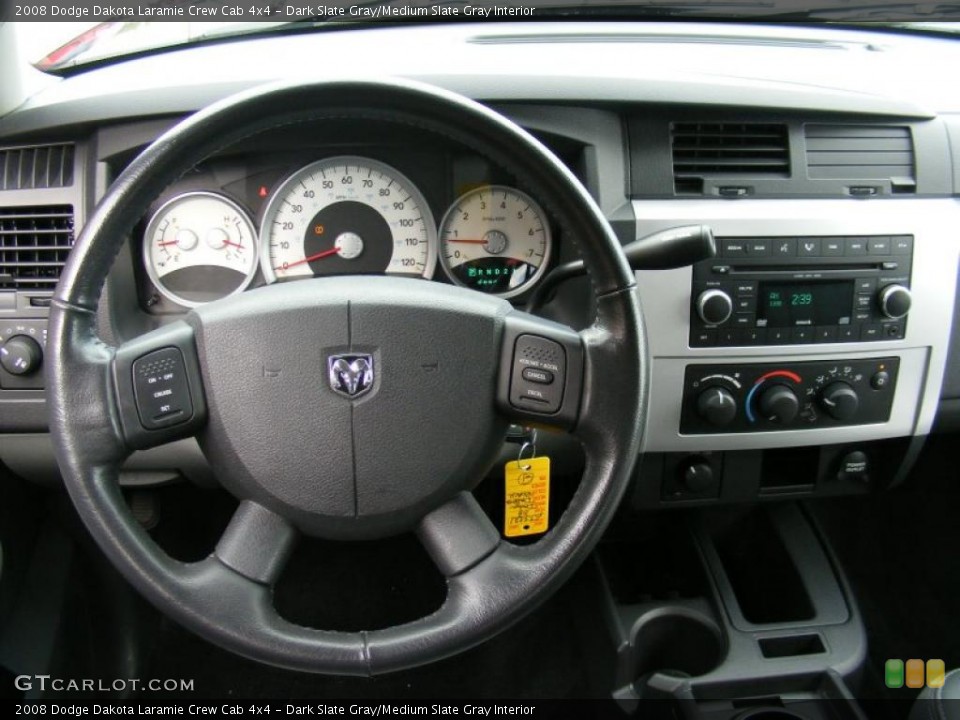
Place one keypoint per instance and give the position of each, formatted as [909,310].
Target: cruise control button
[161,390]
[544,377]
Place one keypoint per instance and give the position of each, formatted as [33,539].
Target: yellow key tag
[527,491]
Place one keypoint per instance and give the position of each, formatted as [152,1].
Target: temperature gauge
[200,247]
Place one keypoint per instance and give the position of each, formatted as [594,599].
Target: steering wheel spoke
[158,387]
[256,543]
[541,372]
[458,535]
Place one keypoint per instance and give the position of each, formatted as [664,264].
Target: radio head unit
[799,290]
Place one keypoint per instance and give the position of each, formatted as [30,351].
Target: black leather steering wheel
[304,459]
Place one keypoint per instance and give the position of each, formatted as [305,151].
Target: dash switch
[161,389]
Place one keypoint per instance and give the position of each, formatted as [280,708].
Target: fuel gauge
[200,247]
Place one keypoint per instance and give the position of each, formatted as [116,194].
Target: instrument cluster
[238,223]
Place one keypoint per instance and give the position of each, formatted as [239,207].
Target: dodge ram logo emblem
[351,374]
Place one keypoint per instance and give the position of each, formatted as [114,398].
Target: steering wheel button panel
[537,364]
[161,389]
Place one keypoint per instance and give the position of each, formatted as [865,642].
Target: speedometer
[347,215]
[495,239]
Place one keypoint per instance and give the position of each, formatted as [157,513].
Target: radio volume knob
[895,301]
[840,400]
[714,306]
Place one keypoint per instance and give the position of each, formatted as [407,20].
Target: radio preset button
[778,336]
[729,337]
[825,334]
[754,336]
[802,334]
[848,333]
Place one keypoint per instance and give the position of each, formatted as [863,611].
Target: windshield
[62,46]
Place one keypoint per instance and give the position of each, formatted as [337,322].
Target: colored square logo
[893,673]
[935,673]
[915,673]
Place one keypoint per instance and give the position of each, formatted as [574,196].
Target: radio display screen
[787,304]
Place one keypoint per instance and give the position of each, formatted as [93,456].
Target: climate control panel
[766,397]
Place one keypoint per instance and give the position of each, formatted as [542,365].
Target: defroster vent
[34,244]
[36,167]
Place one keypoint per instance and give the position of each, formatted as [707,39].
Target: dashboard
[811,356]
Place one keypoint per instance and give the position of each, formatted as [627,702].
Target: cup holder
[678,642]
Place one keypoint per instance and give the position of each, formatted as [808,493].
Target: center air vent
[36,167]
[34,244]
[861,152]
[745,149]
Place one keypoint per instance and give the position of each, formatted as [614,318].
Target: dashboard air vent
[34,244]
[861,152]
[724,148]
[36,167]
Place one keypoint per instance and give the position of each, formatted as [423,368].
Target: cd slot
[825,271]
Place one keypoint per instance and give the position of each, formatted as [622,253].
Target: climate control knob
[778,404]
[717,406]
[840,400]
[714,307]
[21,355]
[895,301]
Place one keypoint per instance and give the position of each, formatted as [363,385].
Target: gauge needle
[231,242]
[471,242]
[169,242]
[315,256]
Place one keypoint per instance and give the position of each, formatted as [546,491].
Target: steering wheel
[252,377]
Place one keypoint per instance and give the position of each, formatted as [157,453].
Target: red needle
[316,256]
[231,242]
[169,242]
[472,242]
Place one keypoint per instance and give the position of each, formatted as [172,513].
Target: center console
[816,336]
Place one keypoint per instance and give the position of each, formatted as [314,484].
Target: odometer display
[347,216]
[495,239]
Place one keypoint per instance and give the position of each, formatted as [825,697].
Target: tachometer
[495,239]
[347,215]
[199,247]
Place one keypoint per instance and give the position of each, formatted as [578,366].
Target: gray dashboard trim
[665,297]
